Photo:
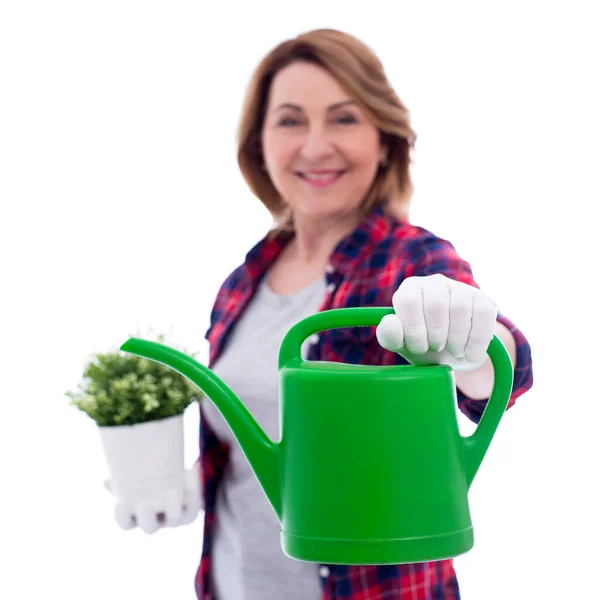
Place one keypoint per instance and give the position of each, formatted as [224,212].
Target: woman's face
[320,150]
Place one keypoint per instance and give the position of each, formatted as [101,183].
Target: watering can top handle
[291,345]
[366,316]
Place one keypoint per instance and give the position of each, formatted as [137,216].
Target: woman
[325,144]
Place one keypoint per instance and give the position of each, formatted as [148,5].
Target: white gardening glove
[159,506]
[439,321]
[147,477]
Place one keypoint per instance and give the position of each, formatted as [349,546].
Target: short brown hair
[358,70]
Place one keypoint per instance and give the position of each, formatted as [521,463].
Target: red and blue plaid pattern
[365,269]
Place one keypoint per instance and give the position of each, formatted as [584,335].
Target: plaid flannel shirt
[365,269]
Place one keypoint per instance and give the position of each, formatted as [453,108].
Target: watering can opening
[319,365]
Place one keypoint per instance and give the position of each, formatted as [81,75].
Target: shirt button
[329,268]
[330,288]
[313,339]
[324,571]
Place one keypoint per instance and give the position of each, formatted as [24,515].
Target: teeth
[320,175]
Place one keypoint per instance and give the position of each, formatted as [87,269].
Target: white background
[122,208]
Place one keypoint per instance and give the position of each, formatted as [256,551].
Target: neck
[315,240]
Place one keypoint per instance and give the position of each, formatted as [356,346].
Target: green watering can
[371,467]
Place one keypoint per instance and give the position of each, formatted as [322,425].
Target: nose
[317,145]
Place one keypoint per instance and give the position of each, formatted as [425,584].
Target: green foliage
[120,388]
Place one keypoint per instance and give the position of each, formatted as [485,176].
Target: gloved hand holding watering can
[439,320]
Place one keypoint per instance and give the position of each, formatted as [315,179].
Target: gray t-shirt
[247,560]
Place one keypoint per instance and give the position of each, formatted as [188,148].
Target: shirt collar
[372,229]
[353,248]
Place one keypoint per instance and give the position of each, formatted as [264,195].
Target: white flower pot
[144,460]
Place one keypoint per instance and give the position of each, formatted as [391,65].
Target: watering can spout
[262,453]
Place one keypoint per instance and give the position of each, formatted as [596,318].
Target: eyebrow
[335,106]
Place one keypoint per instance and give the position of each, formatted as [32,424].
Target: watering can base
[377,552]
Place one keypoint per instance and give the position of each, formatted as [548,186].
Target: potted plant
[138,406]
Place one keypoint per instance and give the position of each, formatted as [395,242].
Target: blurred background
[122,208]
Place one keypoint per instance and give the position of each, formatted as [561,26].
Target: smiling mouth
[321,179]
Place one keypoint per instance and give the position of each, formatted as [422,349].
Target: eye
[346,119]
[288,122]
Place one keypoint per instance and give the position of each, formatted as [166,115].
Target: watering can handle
[475,445]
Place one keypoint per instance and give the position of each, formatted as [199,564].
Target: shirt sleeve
[429,255]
